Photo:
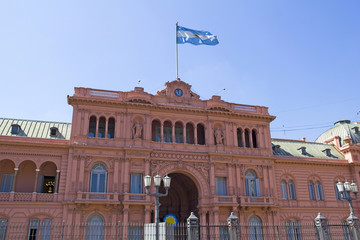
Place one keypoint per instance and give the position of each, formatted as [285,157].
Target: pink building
[220,156]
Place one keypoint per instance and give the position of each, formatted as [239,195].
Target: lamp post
[345,189]
[157,182]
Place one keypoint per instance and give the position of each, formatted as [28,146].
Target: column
[57,181]
[251,139]
[81,174]
[172,132]
[243,137]
[266,181]
[230,177]
[235,136]
[14,181]
[106,127]
[216,216]
[184,133]
[127,175]
[36,179]
[117,125]
[97,127]
[195,135]
[212,179]
[116,175]
[147,214]
[162,131]
[238,180]
[125,220]
[85,123]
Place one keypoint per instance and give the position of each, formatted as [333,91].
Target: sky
[301,59]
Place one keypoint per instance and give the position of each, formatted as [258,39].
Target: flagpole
[177,55]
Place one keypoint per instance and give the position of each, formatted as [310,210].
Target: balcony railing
[28,197]
[255,201]
[97,197]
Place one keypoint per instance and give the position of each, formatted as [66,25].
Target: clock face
[178,92]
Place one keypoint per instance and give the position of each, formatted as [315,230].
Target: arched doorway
[182,198]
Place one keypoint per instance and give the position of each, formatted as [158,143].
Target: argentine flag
[195,37]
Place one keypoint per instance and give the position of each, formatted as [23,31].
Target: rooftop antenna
[220,91]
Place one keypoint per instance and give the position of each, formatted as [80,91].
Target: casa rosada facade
[219,155]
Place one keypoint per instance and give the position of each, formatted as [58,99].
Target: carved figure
[137,130]
[219,137]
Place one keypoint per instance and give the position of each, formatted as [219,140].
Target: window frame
[139,182]
[221,186]
[98,178]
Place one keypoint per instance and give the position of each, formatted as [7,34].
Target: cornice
[30,154]
[298,161]
[171,108]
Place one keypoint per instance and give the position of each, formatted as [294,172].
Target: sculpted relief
[137,130]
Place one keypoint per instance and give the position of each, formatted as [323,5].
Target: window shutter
[3,225]
[257,186]
[247,187]
[6,182]
[283,190]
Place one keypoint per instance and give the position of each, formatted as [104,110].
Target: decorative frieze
[179,156]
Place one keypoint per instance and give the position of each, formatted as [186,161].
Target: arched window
[167,132]
[292,190]
[255,228]
[252,184]
[239,137]
[98,178]
[179,132]
[283,190]
[201,134]
[319,191]
[293,230]
[92,126]
[156,131]
[101,131]
[254,138]
[247,138]
[311,190]
[111,128]
[95,228]
[189,133]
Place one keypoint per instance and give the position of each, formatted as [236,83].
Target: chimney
[327,151]
[303,150]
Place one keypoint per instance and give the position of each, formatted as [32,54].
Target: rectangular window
[6,182]
[220,186]
[3,225]
[338,194]
[33,229]
[136,180]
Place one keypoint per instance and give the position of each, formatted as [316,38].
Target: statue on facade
[219,136]
[137,130]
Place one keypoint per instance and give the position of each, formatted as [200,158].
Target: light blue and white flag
[195,37]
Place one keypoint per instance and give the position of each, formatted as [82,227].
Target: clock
[178,92]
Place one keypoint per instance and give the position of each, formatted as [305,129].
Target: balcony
[95,197]
[246,201]
[27,197]
[225,200]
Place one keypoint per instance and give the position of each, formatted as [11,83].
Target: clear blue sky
[299,58]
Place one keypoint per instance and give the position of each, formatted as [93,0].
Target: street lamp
[345,189]
[157,182]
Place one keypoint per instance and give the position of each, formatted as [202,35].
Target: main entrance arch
[182,198]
